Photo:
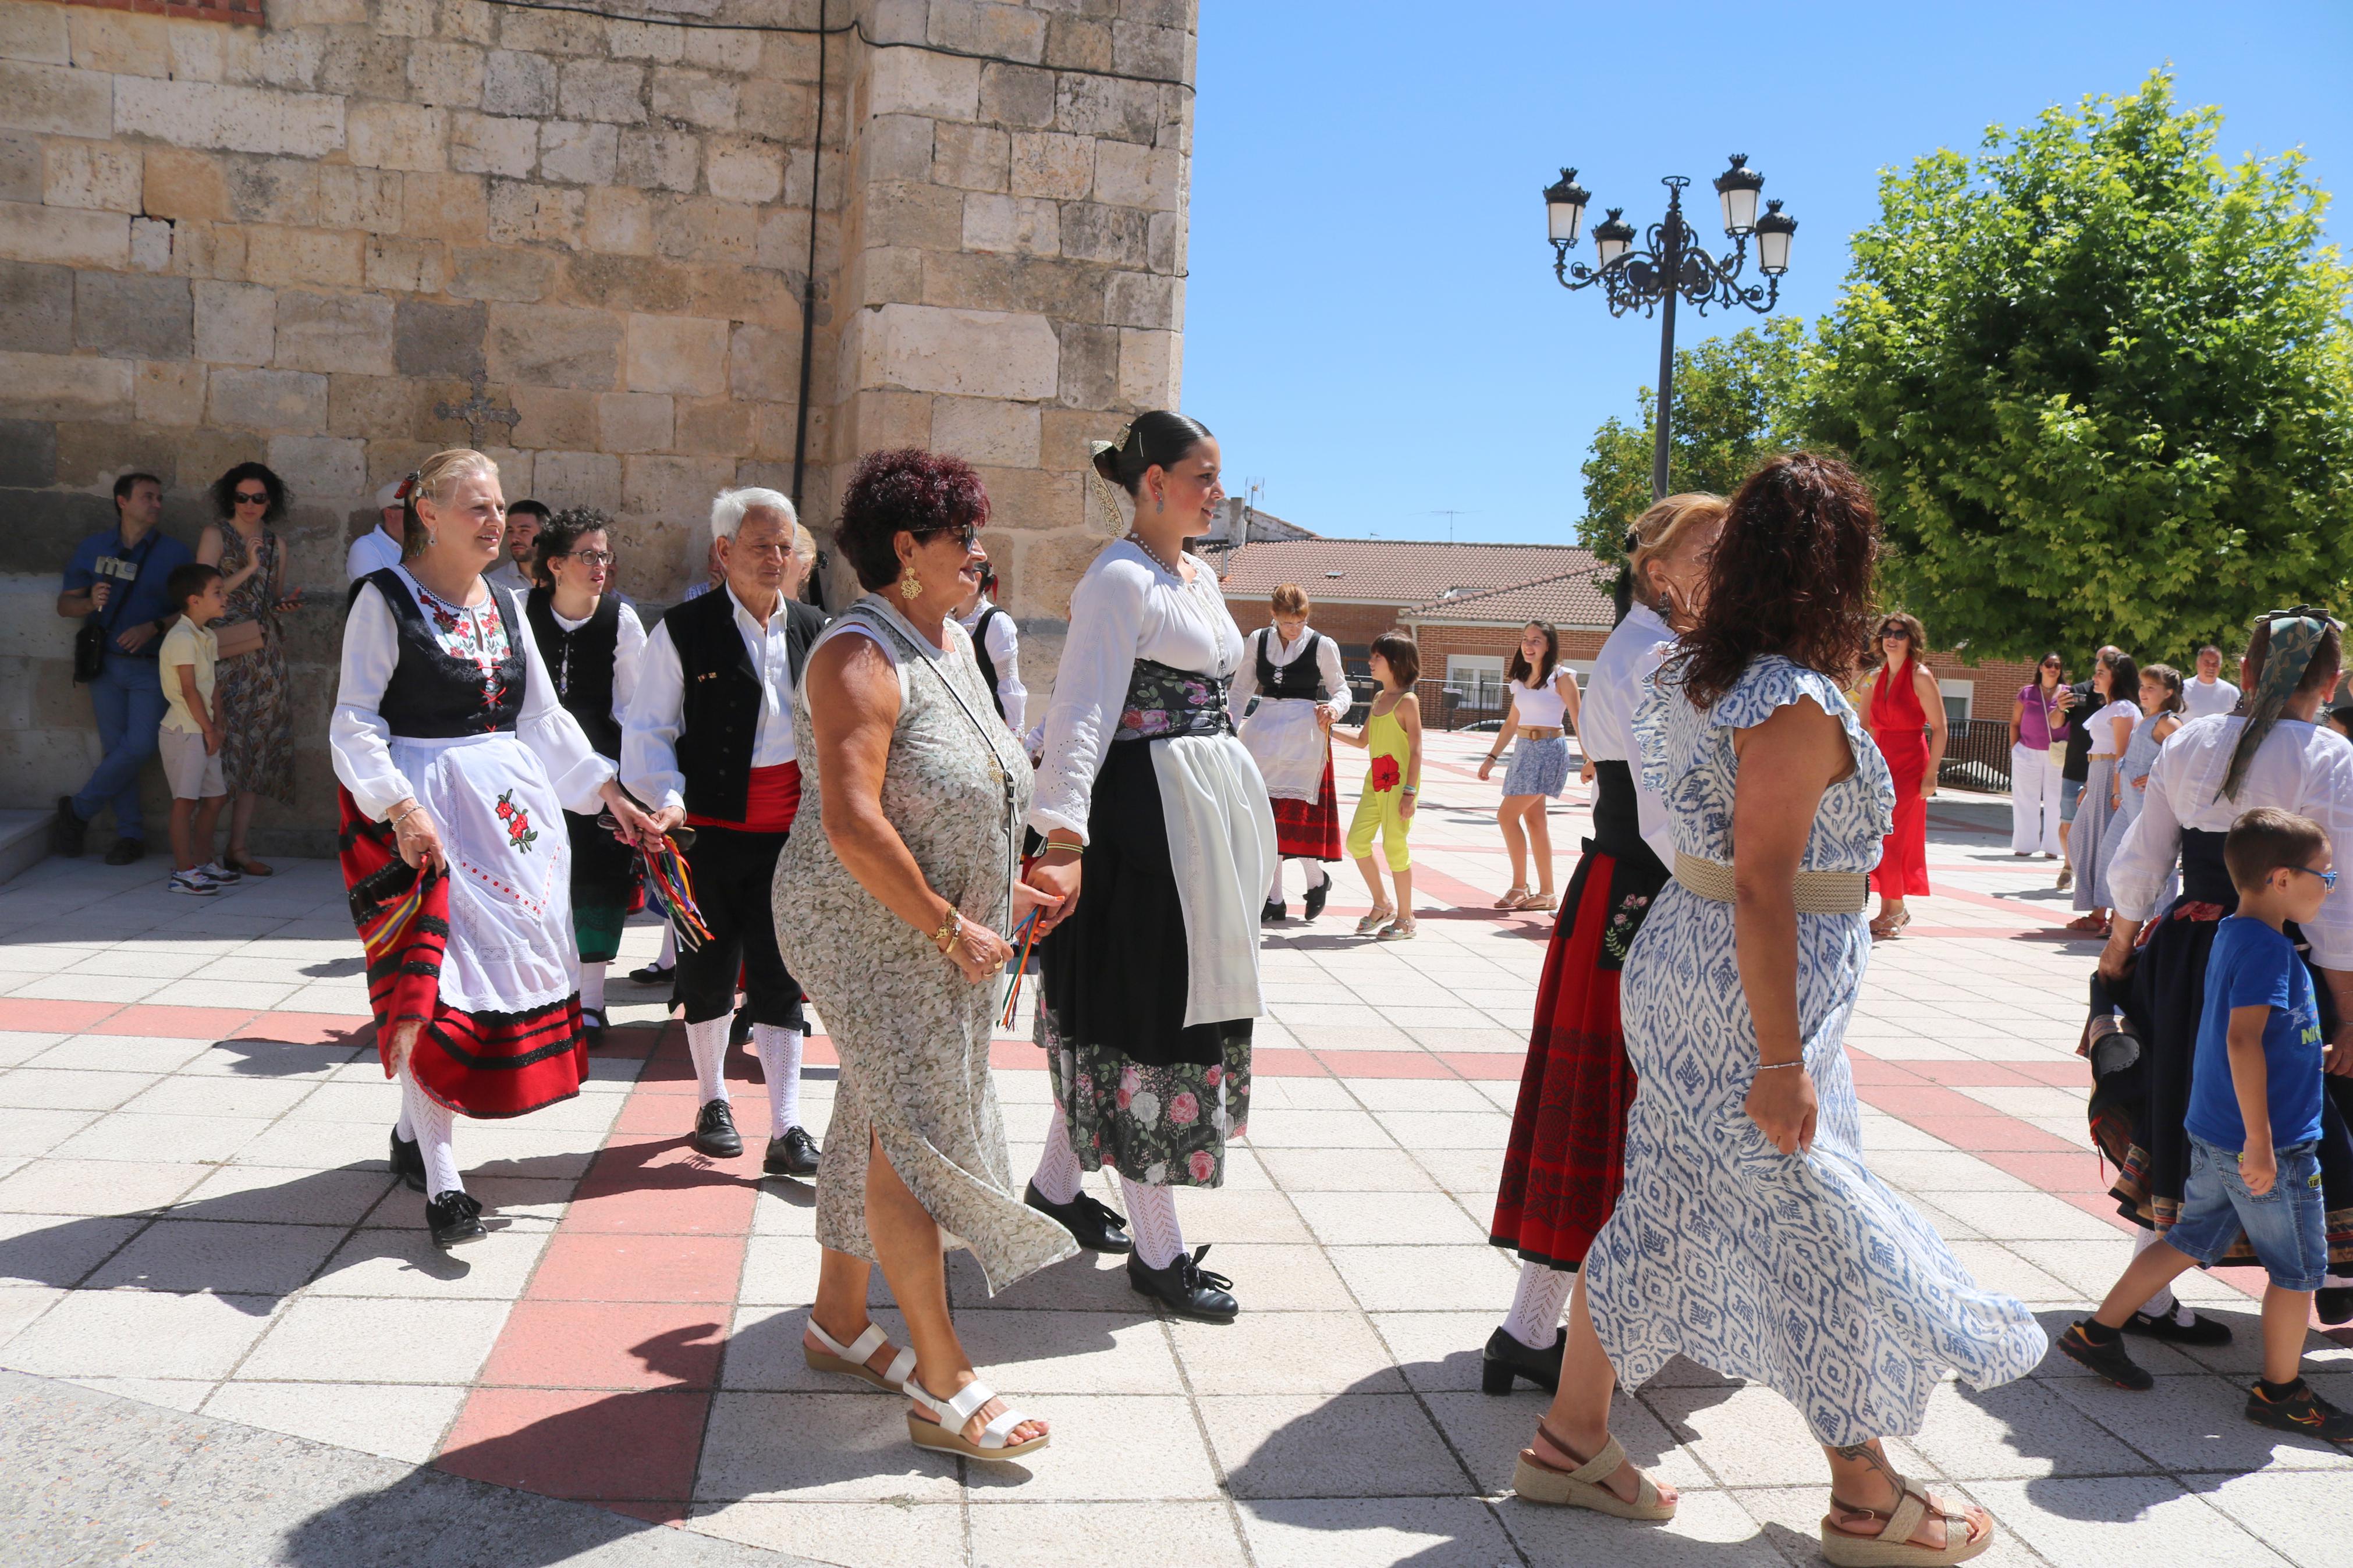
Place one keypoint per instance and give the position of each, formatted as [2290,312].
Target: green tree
[1737,399]
[2101,381]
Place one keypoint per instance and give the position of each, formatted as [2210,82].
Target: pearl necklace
[1137,539]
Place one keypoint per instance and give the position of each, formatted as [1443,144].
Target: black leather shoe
[407,1161]
[714,1131]
[1271,912]
[126,851]
[2200,1330]
[794,1154]
[1315,897]
[1506,1360]
[2335,1304]
[654,975]
[67,832]
[1094,1225]
[592,1023]
[1185,1288]
[454,1218]
[739,1031]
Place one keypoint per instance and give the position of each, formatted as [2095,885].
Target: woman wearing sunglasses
[256,706]
[591,642]
[2038,739]
[1906,717]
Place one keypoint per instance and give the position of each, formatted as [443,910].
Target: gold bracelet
[949,928]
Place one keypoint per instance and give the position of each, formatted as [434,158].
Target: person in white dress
[457,761]
[1294,674]
[2207,693]
[1543,711]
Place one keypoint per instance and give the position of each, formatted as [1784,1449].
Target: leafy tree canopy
[2101,381]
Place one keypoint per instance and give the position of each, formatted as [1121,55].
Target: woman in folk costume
[590,641]
[1566,1159]
[1294,672]
[2270,751]
[1150,979]
[457,762]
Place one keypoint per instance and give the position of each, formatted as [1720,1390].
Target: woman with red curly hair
[1751,1236]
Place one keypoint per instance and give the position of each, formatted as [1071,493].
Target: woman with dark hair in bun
[1151,979]
[1751,1236]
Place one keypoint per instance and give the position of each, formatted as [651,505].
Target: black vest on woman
[980,655]
[719,716]
[581,663]
[1302,677]
[437,695]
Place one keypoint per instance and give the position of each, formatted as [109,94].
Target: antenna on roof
[1450,514]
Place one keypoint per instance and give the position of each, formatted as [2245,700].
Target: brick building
[325,235]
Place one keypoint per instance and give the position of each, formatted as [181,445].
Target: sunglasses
[252,498]
[2050,664]
[1885,632]
[2327,879]
[963,533]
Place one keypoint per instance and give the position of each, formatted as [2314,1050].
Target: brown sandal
[1540,1480]
[1894,1547]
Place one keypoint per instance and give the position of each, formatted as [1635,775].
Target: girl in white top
[2116,684]
[1543,708]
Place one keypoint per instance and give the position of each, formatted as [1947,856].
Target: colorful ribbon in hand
[1027,932]
[666,868]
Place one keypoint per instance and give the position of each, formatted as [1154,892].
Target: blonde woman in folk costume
[1294,672]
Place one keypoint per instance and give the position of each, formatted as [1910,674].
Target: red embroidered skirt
[1305,830]
[479,1064]
[1566,1157]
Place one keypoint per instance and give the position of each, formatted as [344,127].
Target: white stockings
[434,1124]
[1058,1176]
[591,988]
[669,958]
[1316,877]
[780,1063]
[1537,1305]
[1152,1220]
[707,1043]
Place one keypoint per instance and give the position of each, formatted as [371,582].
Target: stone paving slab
[195,1216]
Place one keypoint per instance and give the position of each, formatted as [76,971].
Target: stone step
[24,839]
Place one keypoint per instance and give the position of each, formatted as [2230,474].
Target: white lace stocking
[1535,1318]
[1152,1220]
[1059,1177]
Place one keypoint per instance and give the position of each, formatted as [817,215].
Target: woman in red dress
[1906,716]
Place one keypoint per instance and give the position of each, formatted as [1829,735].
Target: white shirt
[1283,655]
[1541,707]
[2103,728]
[657,712]
[371,551]
[628,652]
[360,741]
[508,575]
[2200,696]
[1605,725]
[1127,606]
[2303,768]
[1003,645]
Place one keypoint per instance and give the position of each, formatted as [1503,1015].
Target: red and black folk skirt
[1309,830]
[1565,1160]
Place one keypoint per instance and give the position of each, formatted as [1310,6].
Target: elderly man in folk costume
[1294,672]
[708,740]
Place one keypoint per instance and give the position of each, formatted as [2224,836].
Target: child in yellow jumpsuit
[1392,785]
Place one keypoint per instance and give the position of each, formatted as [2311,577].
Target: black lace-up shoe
[1273,912]
[1185,1288]
[1094,1225]
[407,1161]
[126,852]
[454,1218]
[2301,1411]
[1315,897]
[714,1131]
[794,1154]
[1506,1360]
[2334,1303]
[2199,1331]
[2111,1360]
[654,975]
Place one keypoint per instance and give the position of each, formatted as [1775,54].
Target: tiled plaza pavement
[194,1212]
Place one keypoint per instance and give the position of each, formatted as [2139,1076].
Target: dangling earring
[910,587]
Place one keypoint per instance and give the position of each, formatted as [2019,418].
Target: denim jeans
[128,698]
[2285,1225]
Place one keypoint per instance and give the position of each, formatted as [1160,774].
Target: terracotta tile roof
[1572,599]
[1395,572]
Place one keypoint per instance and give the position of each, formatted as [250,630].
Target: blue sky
[1371,326]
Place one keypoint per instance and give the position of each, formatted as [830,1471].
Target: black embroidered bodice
[580,662]
[1302,677]
[460,672]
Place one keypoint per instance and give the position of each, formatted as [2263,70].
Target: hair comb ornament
[1101,489]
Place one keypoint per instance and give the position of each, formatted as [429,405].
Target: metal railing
[1444,707]
[1976,757]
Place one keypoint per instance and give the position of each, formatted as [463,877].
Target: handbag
[92,638]
[239,637]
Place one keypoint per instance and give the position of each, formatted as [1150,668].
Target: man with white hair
[379,547]
[708,740]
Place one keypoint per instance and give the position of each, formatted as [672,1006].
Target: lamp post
[1673,264]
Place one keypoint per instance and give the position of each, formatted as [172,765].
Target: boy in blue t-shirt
[2254,1127]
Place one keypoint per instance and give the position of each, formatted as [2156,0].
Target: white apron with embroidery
[1289,746]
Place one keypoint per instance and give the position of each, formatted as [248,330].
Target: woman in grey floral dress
[894,918]
[256,706]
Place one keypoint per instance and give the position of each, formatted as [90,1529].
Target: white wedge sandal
[849,1360]
[950,1439]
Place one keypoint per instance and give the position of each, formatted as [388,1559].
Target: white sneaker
[216,872]
[192,883]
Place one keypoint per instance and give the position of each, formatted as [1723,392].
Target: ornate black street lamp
[1673,264]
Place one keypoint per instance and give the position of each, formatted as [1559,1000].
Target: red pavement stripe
[40,1016]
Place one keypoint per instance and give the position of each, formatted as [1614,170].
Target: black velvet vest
[1303,677]
[582,663]
[980,657]
[437,695]
[719,719]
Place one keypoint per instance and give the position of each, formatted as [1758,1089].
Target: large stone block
[553,416]
[976,354]
[658,160]
[169,393]
[1141,48]
[36,33]
[983,430]
[333,258]
[693,98]
[632,421]
[183,184]
[602,89]
[20,168]
[1031,499]
[367,199]
[518,83]
[986,28]
[1090,365]
[439,339]
[553,345]
[350,332]
[1149,365]
[926,217]
[1116,237]
[632,283]
[743,169]
[553,32]
[453,208]
[675,487]
[1165,242]
[642,41]
[895,148]
[356,63]
[781,110]
[578,153]
[579,479]
[706,230]
[971,157]
[379,409]
[273,190]
[713,427]
[284,400]
[36,307]
[1078,43]
[1142,300]
[1130,175]
[524,212]
[91,174]
[619,222]
[1065,435]
[1050,165]
[677,354]
[232,119]
[126,316]
[519,277]
[445,73]
[64,236]
[1019,226]
[151,244]
[399,136]
[1108,106]
[764,363]
[90,454]
[490,144]
[322,471]
[407,265]
[913,81]
[56,100]
[29,454]
[237,323]
[1015,96]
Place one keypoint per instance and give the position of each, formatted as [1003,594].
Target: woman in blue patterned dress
[1751,1236]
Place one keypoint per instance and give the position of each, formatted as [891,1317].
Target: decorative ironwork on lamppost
[1672,264]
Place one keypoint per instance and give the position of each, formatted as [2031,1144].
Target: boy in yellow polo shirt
[189,741]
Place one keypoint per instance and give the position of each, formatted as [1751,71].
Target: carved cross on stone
[478,411]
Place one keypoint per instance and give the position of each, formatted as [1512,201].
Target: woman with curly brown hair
[256,705]
[1905,712]
[1751,1236]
